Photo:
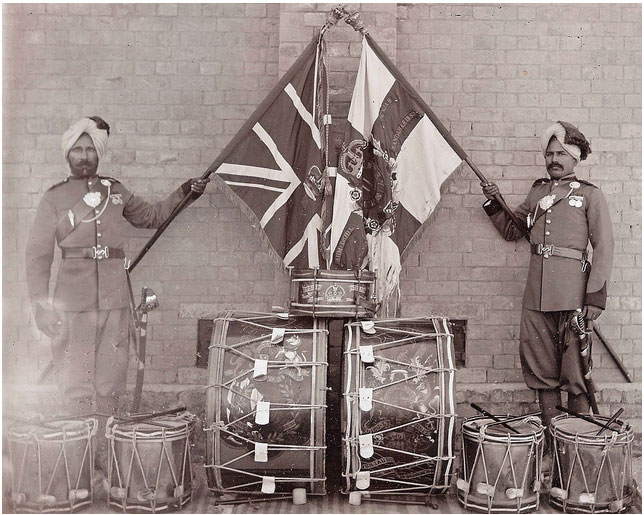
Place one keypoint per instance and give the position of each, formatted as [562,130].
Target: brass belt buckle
[100,254]
[545,250]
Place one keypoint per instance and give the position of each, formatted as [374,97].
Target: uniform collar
[76,178]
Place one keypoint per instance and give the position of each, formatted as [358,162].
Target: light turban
[571,139]
[87,126]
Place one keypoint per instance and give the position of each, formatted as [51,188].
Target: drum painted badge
[398,408]
[265,405]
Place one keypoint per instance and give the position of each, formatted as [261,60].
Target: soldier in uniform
[87,321]
[561,214]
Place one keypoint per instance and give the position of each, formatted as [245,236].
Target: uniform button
[549,210]
[98,246]
[548,221]
[96,211]
[556,184]
[98,235]
[547,233]
[89,183]
[546,256]
[98,222]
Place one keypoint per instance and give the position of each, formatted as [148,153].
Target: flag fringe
[221,185]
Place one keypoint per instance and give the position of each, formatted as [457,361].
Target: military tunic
[563,216]
[91,294]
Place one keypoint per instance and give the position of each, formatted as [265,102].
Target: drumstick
[145,416]
[493,417]
[611,420]
[518,417]
[583,417]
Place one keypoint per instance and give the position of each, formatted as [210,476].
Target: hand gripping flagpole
[353,20]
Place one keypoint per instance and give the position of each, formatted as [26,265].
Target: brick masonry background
[176,82]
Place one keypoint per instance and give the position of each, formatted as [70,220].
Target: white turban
[87,126]
[572,141]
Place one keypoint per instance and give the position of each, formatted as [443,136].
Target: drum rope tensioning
[265,406]
[399,408]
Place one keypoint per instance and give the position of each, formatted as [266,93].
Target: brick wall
[176,81]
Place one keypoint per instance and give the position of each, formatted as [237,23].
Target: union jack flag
[276,164]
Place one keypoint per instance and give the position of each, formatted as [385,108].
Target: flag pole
[248,125]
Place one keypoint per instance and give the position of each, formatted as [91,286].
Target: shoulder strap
[72,219]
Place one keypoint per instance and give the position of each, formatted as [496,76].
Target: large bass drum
[591,473]
[265,405]
[399,408]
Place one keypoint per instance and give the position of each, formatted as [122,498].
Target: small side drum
[265,406]
[500,469]
[333,293]
[398,408]
[591,473]
[52,465]
[149,463]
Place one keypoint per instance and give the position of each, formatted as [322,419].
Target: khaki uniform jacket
[87,284]
[578,215]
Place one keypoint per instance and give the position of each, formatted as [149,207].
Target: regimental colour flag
[275,166]
[395,156]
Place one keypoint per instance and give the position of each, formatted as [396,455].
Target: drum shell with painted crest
[586,463]
[412,416]
[150,463]
[497,464]
[332,293]
[295,376]
[52,465]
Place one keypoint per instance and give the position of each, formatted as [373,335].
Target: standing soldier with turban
[87,321]
[561,214]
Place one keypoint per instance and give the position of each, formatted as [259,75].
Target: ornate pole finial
[333,17]
[353,19]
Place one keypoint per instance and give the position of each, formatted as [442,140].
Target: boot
[548,400]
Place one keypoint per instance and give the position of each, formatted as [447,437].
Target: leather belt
[550,250]
[99,253]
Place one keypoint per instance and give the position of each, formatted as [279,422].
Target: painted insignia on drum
[334,293]
[351,158]
[282,384]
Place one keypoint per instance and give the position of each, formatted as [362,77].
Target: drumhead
[526,427]
[72,429]
[571,427]
[170,426]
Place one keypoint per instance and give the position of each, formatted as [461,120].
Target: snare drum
[52,465]
[398,407]
[333,293]
[499,468]
[149,462]
[265,404]
[590,473]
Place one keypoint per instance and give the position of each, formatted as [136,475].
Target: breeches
[550,352]
[91,355]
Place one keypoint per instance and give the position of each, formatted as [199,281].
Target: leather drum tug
[52,464]
[333,293]
[149,463]
[591,473]
[266,406]
[500,469]
[399,412]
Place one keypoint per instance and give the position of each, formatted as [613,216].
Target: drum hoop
[590,438]
[130,429]
[476,434]
[86,428]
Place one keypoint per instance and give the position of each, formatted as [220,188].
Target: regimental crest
[334,293]
[314,183]
[116,198]
[352,157]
